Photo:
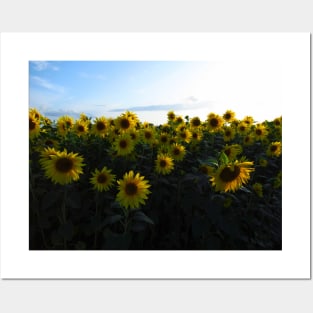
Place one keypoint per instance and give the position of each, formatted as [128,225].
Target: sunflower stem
[64,215]
[96,215]
[126,221]
[38,217]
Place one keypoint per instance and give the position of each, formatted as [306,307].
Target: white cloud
[46,84]
[43,65]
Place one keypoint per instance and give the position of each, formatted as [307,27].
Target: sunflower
[133,190]
[258,188]
[229,133]
[230,177]
[35,113]
[133,116]
[196,136]
[181,127]
[248,140]
[134,135]
[46,154]
[166,128]
[164,138]
[100,127]
[50,143]
[229,116]
[123,144]
[171,116]
[278,180]
[102,180]
[263,162]
[277,122]
[260,132]
[195,122]
[179,119]
[125,122]
[177,152]
[34,127]
[274,149]
[232,151]
[243,128]
[164,164]
[81,128]
[215,122]
[206,169]
[83,117]
[185,135]
[248,120]
[64,124]
[148,135]
[63,167]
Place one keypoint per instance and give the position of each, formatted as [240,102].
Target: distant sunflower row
[170,141]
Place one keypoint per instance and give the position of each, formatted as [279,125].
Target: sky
[152,88]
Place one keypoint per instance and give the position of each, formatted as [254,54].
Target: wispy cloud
[46,84]
[92,76]
[193,103]
[43,65]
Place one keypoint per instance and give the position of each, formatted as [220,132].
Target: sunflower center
[131,189]
[228,175]
[183,135]
[242,128]
[80,128]
[68,123]
[32,124]
[196,122]
[100,126]
[273,148]
[258,132]
[123,144]
[162,163]
[64,165]
[194,135]
[176,151]
[163,139]
[148,135]
[171,116]
[213,122]
[102,178]
[227,116]
[49,142]
[125,123]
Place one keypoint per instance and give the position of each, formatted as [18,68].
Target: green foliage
[183,212]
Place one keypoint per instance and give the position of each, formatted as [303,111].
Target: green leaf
[245,189]
[111,219]
[138,226]
[140,216]
[224,158]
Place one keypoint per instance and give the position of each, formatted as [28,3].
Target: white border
[292,50]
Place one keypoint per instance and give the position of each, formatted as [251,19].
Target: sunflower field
[124,184]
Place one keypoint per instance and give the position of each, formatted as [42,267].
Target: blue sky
[152,88]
